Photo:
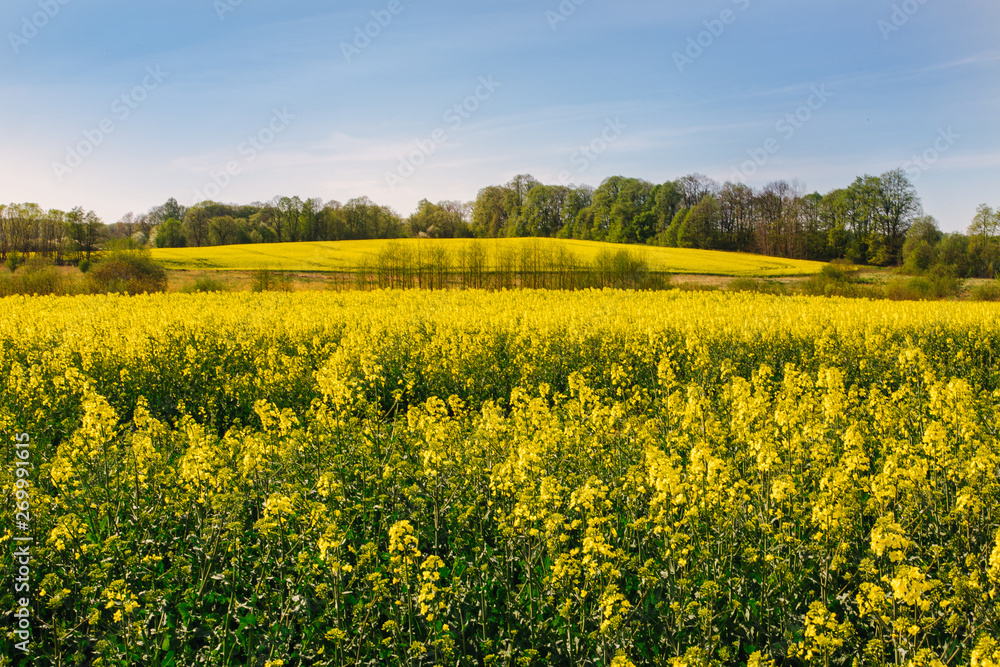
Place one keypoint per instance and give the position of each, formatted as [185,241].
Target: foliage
[171,234]
[354,256]
[923,288]
[38,276]
[206,284]
[986,292]
[14,261]
[267,280]
[443,220]
[126,271]
[463,478]
[756,285]
[837,280]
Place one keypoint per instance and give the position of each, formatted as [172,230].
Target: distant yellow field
[350,256]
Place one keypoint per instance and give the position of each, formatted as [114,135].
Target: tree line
[866,222]
[877,220]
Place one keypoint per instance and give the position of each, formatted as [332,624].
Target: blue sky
[117,106]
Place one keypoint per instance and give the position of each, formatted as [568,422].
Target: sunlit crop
[497,254]
[510,478]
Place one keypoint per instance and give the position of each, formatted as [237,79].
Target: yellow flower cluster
[526,478]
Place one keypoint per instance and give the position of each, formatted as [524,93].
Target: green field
[350,256]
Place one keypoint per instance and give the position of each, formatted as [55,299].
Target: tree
[222,230]
[920,248]
[953,252]
[520,186]
[667,200]
[542,212]
[196,224]
[53,240]
[984,249]
[669,237]
[618,202]
[286,217]
[85,230]
[860,203]
[698,228]
[736,217]
[896,207]
[159,214]
[833,210]
[694,188]
[491,212]
[367,220]
[171,234]
[442,220]
[333,226]
[577,201]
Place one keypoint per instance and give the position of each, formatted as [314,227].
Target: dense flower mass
[529,478]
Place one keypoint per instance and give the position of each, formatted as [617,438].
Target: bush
[986,292]
[758,286]
[925,288]
[697,287]
[624,270]
[39,277]
[266,280]
[14,260]
[206,284]
[127,272]
[836,279]
[84,265]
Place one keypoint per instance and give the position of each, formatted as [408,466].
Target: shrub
[923,288]
[206,284]
[266,280]
[14,260]
[84,265]
[836,279]
[696,287]
[624,270]
[127,272]
[39,277]
[987,292]
[758,286]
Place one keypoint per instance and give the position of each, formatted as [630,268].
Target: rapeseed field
[510,478]
[496,255]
